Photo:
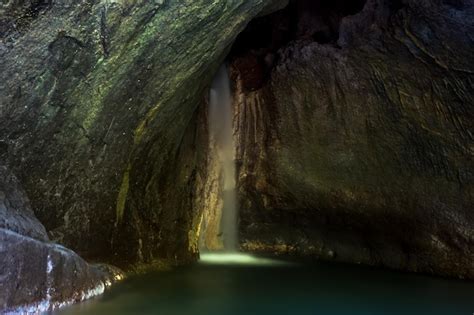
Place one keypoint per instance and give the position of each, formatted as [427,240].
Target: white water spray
[221,132]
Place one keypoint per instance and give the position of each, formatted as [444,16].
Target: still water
[246,285]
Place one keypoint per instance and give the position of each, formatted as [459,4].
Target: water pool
[245,285]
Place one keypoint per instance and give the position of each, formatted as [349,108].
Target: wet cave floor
[238,285]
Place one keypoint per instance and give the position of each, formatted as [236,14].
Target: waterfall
[221,133]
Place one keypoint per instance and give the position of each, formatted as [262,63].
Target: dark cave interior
[255,50]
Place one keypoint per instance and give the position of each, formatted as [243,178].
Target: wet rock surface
[360,150]
[36,276]
[354,136]
[96,101]
[95,108]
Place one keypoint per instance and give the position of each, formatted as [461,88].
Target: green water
[250,286]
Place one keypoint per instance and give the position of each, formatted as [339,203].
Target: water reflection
[224,258]
[223,286]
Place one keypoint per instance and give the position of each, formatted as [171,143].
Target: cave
[255,50]
[222,157]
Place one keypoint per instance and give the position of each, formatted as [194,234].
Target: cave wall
[95,102]
[16,214]
[354,129]
[37,275]
[359,148]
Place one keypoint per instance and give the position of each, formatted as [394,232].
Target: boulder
[36,276]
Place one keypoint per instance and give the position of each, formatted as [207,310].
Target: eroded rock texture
[359,148]
[95,101]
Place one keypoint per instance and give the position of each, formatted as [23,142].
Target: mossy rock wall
[95,100]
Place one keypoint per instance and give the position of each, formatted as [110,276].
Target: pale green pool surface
[246,285]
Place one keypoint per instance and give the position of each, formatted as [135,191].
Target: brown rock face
[251,71]
[359,148]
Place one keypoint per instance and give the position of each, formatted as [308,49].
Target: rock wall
[355,134]
[98,120]
[15,211]
[35,274]
[360,149]
[95,101]
[37,277]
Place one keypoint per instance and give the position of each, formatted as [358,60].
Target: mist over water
[221,132]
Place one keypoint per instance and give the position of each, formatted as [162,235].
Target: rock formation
[357,145]
[15,211]
[353,121]
[36,275]
[95,102]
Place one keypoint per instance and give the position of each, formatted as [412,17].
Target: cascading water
[221,133]
[220,118]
